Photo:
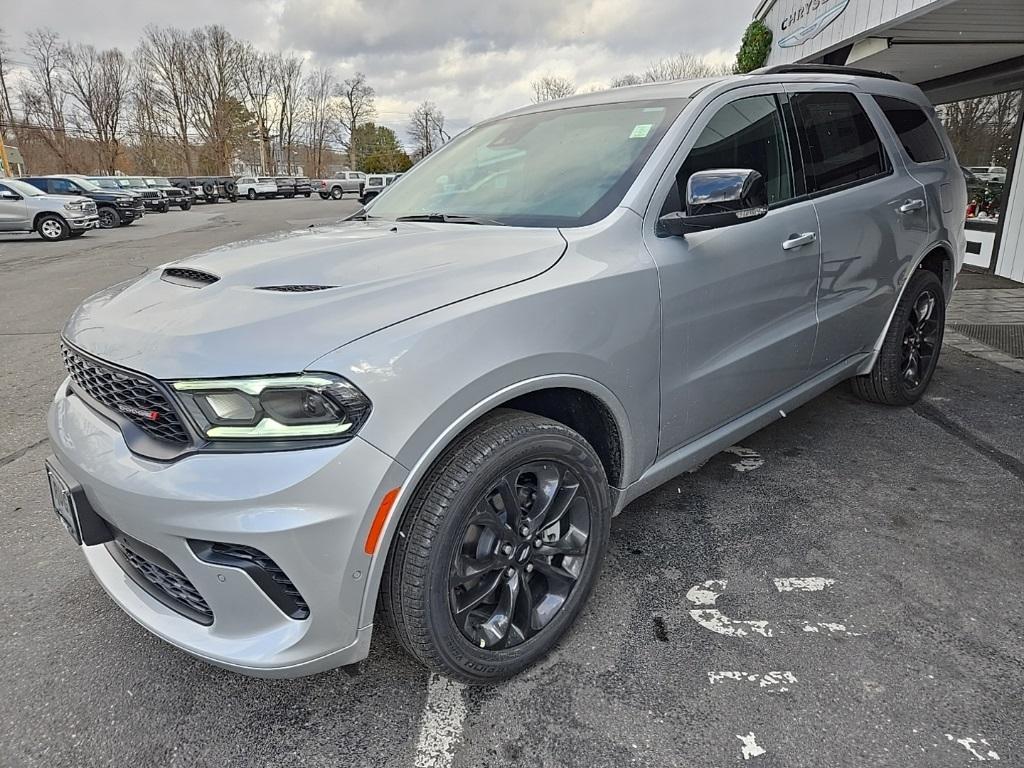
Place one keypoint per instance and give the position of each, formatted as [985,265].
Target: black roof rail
[822,69]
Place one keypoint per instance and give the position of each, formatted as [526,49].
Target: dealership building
[952,49]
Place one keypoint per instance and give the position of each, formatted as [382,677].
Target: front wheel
[251,194]
[911,347]
[499,548]
[53,228]
[108,218]
[337,193]
[186,206]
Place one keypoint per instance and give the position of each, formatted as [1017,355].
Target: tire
[233,198]
[337,193]
[251,194]
[916,331]
[417,597]
[209,189]
[52,228]
[186,206]
[231,189]
[109,218]
[306,194]
[164,207]
[323,196]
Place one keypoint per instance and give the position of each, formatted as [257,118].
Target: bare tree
[356,107]
[684,66]
[214,63]
[163,62]
[287,87]
[98,85]
[552,87]
[426,129]
[320,115]
[43,94]
[5,95]
[257,74]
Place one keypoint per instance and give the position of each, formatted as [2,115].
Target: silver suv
[23,208]
[436,409]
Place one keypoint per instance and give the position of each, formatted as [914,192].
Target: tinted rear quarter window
[915,130]
[839,143]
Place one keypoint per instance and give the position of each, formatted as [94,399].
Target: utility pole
[3,156]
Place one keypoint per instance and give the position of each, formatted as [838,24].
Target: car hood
[381,273]
[67,198]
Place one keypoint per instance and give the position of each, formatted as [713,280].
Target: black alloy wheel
[498,547]
[521,555]
[108,218]
[910,350]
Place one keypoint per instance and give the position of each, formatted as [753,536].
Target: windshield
[92,186]
[22,188]
[562,168]
[105,183]
[157,181]
[131,183]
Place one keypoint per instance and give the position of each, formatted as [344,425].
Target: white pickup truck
[252,187]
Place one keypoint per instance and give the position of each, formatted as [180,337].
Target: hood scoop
[190,278]
[294,288]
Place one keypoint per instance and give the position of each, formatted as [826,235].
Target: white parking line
[772,681]
[803,584]
[749,458]
[441,723]
[711,618]
[968,743]
[750,748]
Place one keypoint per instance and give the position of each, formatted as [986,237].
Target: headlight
[74,206]
[309,405]
[125,202]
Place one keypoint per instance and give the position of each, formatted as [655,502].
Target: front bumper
[308,510]
[130,214]
[88,221]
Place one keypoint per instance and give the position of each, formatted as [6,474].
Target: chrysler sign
[808,20]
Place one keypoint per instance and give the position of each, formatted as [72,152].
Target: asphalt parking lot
[844,589]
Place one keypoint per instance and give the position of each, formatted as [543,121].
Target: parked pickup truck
[340,183]
[116,208]
[253,187]
[23,208]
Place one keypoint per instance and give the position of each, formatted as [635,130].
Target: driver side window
[747,133]
[63,187]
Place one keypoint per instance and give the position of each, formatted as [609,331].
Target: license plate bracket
[63,503]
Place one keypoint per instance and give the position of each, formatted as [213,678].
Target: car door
[738,303]
[13,210]
[872,214]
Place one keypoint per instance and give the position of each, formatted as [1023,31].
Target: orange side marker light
[377,526]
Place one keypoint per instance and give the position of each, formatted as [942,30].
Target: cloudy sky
[473,58]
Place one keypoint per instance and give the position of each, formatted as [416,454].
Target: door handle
[796,241]
[911,205]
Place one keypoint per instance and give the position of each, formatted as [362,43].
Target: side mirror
[719,198]
[6,195]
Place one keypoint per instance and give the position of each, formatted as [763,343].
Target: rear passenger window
[915,130]
[840,145]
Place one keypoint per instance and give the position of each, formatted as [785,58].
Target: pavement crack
[982,446]
[5,460]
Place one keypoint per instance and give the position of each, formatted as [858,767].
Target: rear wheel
[52,227]
[911,347]
[108,218]
[499,548]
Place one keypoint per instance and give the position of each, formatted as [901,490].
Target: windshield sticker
[641,131]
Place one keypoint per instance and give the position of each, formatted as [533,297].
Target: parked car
[152,199]
[176,196]
[253,187]
[285,186]
[375,184]
[114,207]
[303,186]
[208,189]
[995,173]
[342,182]
[436,409]
[23,208]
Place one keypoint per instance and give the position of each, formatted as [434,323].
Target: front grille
[149,194]
[165,582]
[261,568]
[136,398]
[174,192]
[295,288]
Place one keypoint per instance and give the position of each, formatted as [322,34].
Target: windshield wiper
[449,218]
